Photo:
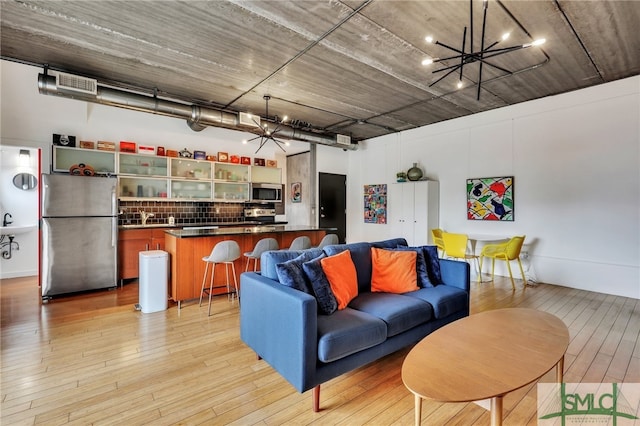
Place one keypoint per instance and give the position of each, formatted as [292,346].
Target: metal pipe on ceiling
[197,117]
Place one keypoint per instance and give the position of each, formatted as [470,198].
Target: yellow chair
[436,234]
[505,251]
[455,246]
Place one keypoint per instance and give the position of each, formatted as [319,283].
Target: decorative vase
[414,173]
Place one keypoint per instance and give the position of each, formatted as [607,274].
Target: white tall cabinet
[413,210]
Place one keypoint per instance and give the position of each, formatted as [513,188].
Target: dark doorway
[333,203]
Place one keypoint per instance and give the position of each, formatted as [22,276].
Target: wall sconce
[24,158]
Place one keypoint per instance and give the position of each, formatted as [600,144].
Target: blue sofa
[283,326]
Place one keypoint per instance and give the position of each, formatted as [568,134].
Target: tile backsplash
[184,212]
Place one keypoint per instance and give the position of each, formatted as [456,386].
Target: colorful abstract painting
[375,203]
[490,198]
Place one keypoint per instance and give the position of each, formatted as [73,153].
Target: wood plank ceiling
[350,67]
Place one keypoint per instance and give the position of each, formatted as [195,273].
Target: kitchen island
[187,247]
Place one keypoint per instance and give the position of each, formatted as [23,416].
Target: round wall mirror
[25,181]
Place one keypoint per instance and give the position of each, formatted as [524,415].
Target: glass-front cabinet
[190,190]
[230,172]
[231,192]
[159,178]
[261,174]
[190,169]
[141,187]
[102,162]
[145,165]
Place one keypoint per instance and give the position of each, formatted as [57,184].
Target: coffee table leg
[496,411]
[418,410]
[560,370]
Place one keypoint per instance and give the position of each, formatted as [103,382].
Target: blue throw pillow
[421,265]
[327,302]
[291,274]
[433,264]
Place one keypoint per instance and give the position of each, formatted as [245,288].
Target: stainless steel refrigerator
[79,231]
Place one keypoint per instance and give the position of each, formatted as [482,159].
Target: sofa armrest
[456,274]
[280,325]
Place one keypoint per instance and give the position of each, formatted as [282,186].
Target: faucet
[144,216]
[6,221]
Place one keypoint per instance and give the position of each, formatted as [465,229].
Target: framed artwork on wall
[296,192]
[490,198]
[375,204]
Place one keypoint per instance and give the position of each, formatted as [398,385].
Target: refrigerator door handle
[114,231]
[114,202]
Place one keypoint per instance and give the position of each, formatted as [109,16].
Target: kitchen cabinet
[413,210]
[102,162]
[130,243]
[142,165]
[261,174]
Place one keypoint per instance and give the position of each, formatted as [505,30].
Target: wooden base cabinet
[187,267]
[413,210]
[130,243]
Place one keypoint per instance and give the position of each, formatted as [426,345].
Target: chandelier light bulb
[244,141]
[459,85]
[505,36]
[427,61]
[539,42]
[429,39]
[285,118]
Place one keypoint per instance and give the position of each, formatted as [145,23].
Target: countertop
[187,233]
[196,225]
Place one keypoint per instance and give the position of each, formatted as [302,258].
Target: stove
[261,215]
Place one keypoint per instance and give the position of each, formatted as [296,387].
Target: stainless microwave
[266,192]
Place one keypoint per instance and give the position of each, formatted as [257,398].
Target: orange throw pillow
[341,274]
[393,271]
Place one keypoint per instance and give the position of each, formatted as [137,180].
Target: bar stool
[262,245]
[223,252]
[300,243]
[328,240]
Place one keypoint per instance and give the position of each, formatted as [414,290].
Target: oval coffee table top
[485,355]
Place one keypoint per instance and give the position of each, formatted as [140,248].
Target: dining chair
[505,251]
[455,246]
[436,234]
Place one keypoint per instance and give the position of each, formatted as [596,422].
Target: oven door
[262,192]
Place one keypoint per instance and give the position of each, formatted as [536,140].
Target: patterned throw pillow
[291,274]
[393,271]
[433,264]
[327,302]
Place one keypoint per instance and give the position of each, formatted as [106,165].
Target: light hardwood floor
[93,359]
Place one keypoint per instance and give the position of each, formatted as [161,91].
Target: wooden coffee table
[485,355]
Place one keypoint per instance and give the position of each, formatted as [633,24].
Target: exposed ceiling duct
[197,117]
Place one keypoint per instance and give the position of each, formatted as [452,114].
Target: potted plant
[401,177]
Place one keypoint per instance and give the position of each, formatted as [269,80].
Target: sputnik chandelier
[267,134]
[462,57]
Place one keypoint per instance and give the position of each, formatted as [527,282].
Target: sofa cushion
[346,332]
[269,260]
[291,274]
[361,256]
[393,271]
[341,274]
[327,303]
[444,299]
[399,312]
[422,273]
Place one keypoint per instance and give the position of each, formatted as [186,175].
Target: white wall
[575,159]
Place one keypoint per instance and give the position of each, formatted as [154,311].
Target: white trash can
[153,291]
